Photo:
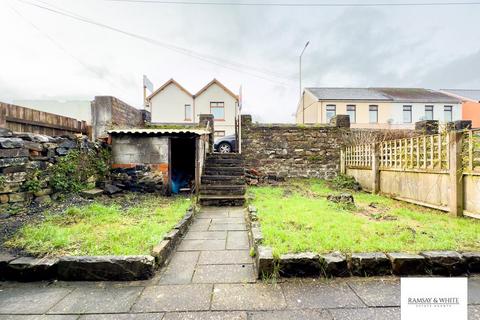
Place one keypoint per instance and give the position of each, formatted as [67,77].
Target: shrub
[345,182]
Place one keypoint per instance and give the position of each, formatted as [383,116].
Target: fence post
[342,162]
[3,116]
[456,173]
[375,168]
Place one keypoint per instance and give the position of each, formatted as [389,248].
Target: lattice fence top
[359,156]
[471,151]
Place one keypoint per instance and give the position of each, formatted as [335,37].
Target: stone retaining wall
[336,264]
[23,154]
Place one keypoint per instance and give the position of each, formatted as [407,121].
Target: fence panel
[428,153]
[359,156]
[471,151]
[21,119]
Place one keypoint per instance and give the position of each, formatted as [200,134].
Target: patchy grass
[102,229]
[296,217]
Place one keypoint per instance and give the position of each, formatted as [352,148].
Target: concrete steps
[223,180]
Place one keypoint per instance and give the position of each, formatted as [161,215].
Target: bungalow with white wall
[173,104]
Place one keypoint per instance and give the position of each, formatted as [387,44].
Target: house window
[447,110]
[352,113]
[331,111]
[373,114]
[407,114]
[218,110]
[219,134]
[188,112]
[428,112]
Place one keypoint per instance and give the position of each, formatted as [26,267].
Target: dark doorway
[182,162]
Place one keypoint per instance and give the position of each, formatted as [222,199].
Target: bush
[72,172]
[344,182]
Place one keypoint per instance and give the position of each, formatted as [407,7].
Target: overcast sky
[48,55]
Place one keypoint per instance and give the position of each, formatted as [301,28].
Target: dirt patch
[374,212]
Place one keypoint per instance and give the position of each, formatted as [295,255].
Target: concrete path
[210,276]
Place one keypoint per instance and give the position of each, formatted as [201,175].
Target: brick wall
[281,151]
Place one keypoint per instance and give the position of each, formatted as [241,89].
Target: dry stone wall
[22,154]
[275,152]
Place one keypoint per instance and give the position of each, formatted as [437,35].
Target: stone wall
[22,154]
[109,112]
[275,152]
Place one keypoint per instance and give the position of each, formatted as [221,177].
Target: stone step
[222,180]
[227,171]
[224,162]
[222,201]
[213,189]
[225,156]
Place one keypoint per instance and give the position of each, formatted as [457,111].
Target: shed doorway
[182,164]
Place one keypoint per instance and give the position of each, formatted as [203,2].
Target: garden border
[336,264]
[95,268]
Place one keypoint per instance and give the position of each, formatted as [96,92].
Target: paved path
[210,276]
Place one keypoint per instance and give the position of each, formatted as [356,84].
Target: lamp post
[300,79]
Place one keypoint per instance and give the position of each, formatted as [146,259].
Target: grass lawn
[102,229]
[296,217]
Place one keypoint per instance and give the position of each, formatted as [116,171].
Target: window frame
[222,106]
[429,106]
[373,108]
[450,110]
[185,112]
[354,107]
[407,108]
[334,109]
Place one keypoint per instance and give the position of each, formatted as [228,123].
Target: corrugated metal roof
[347,94]
[416,95]
[159,131]
[465,93]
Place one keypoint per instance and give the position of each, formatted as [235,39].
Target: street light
[300,78]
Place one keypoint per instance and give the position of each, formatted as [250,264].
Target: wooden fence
[21,119]
[441,171]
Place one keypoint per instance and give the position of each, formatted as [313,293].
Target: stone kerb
[336,264]
[94,268]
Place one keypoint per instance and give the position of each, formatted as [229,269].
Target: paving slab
[237,240]
[310,294]
[257,296]
[378,293]
[292,315]
[215,315]
[474,291]
[224,273]
[206,235]
[228,227]
[130,316]
[474,313]
[199,245]
[94,300]
[30,300]
[366,314]
[236,213]
[199,227]
[39,317]
[225,257]
[187,297]
[216,214]
[180,268]
[228,220]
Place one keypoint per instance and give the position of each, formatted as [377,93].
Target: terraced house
[173,104]
[387,108]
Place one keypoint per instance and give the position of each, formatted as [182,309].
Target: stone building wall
[287,151]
